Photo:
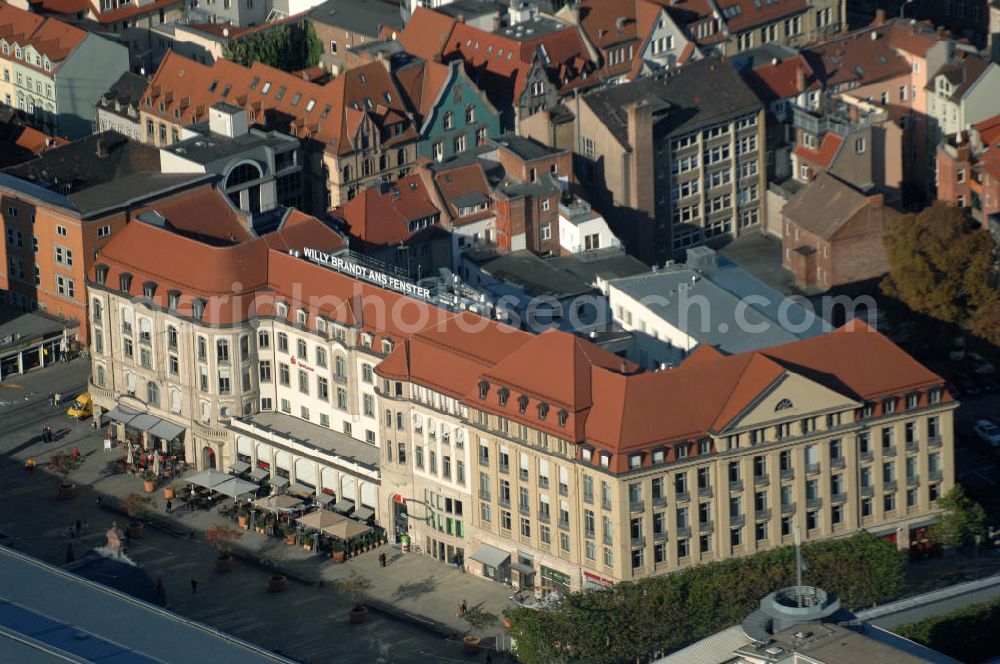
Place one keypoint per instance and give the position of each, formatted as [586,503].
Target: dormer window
[659,456]
[281,310]
[386,346]
[889,406]
[173,299]
[522,403]
[302,316]
[101,272]
[587,454]
[912,400]
[543,410]
[149,289]
[124,281]
[605,459]
[198,308]
[635,461]
[503,395]
[484,388]
[935,395]
[563,416]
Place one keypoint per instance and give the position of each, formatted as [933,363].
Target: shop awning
[279,481]
[363,513]
[344,506]
[490,555]
[122,414]
[259,474]
[300,489]
[166,430]
[234,487]
[208,478]
[522,568]
[323,499]
[239,466]
[144,422]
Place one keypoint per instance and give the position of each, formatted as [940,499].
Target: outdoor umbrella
[235,487]
[156,464]
[320,520]
[128,458]
[278,503]
[347,529]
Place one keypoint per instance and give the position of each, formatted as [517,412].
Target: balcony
[659,501]
[762,515]
[563,524]
[504,502]
[505,468]
[934,441]
[838,462]
[524,510]
[889,451]
[543,483]
[606,504]
[522,475]
[889,486]
[912,445]
[838,498]
[484,462]
[705,527]
[638,542]
[736,519]
[683,497]
[812,468]
[563,489]
[607,540]
[660,537]
[814,503]
[761,480]
[867,491]
[588,498]
[736,486]
[683,531]
[637,506]
[913,480]
[935,475]
[543,517]
[705,492]
[867,455]
[484,495]
[787,474]
[788,508]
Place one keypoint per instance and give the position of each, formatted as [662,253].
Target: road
[933,604]
[306,622]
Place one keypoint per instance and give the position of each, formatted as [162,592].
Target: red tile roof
[36,141]
[856,59]
[49,36]
[780,81]
[188,211]
[382,217]
[555,382]
[743,15]
[828,149]
[421,81]
[427,32]
[331,113]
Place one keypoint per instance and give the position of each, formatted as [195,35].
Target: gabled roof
[828,149]
[825,205]
[49,36]
[422,81]
[856,58]
[427,33]
[741,15]
[381,215]
[962,72]
[462,185]
[331,114]
[775,81]
[364,17]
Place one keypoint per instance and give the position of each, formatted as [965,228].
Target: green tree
[290,47]
[939,264]
[962,521]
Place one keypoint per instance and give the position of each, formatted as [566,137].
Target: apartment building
[682,166]
[344,24]
[968,171]
[59,209]
[356,131]
[610,473]
[54,73]
[118,108]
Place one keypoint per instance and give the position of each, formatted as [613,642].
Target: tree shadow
[415,589]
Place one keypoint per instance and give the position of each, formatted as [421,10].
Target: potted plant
[137,508]
[272,555]
[223,536]
[288,533]
[357,588]
[64,465]
[478,619]
[243,515]
[338,553]
[170,492]
[261,524]
[149,481]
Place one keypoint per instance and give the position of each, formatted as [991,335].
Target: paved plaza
[413,600]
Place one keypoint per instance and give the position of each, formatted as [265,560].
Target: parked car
[978,364]
[988,431]
[966,385]
[83,406]
[957,351]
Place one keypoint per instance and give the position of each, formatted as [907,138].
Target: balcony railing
[867,491]
[788,508]
[638,542]
[761,480]
[812,468]
[788,474]
[683,497]
[889,451]
[912,480]
[705,492]
[814,503]
[889,486]
[735,486]
[867,456]
[838,462]
[659,501]
[912,445]
[838,498]
[637,506]
[935,475]
[736,519]
[762,515]
[706,527]
[934,441]
[683,531]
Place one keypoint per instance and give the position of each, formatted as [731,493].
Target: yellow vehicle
[83,406]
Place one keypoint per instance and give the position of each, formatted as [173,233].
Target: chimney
[852,112]
[460,18]
[800,78]
[879,17]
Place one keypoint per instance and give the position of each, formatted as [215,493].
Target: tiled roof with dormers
[50,38]
[182,91]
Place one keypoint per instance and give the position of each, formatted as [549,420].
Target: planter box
[136,530]
[471,644]
[67,491]
[277,583]
[359,614]
[224,564]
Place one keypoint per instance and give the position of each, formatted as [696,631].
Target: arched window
[241,174]
[340,367]
[782,405]
[130,384]
[153,394]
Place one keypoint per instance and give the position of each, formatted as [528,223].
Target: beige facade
[801,456]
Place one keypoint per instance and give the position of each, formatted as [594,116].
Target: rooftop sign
[364,273]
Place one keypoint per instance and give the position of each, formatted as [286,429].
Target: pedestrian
[381,559]
[52,399]
[194,587]
[169,505]
[29,465]
[78,525]
[489,658]
[98,500]
[465,607]
[76,452]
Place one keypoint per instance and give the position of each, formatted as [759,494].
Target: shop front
[554,581]
[495,562]
[596,582]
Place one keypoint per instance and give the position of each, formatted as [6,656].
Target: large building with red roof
[968,172]
[536,459]
[54,73]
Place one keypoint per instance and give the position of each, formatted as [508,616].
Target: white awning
[279,481]
[144,422]
[234,487]
[490,555]
[323,499]
[363,513]
[259,474]
[208,478]
[122,414]
[166,430]
[344,506]
[239,466]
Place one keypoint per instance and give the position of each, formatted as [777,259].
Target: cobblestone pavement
[413,600]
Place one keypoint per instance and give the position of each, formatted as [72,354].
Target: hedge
[630,620]
[968,634]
